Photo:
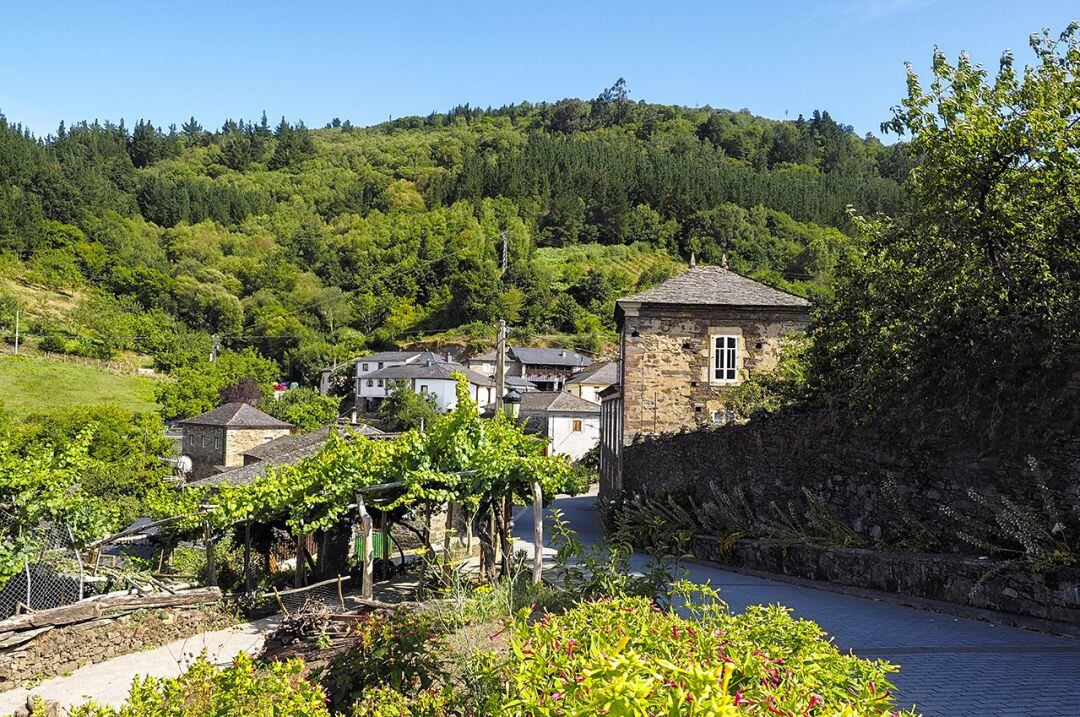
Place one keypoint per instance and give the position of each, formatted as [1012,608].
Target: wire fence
[53,576]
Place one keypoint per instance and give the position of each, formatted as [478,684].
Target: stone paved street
[950,666]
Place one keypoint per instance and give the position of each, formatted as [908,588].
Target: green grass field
[37,385]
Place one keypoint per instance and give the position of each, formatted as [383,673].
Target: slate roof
[235,415]
[549,357]
[282,454]
[603,375]
[439,370]
[556,402]
[715,286]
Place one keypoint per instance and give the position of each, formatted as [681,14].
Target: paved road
[950,666]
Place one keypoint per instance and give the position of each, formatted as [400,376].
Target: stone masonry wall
[239,441]
[773,459]
[204,445]
[666,357]
[963,580]
[64,649]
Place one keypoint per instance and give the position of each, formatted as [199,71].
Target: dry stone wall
[62,649]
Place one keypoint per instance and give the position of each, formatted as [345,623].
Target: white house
[589,383]
[571,424]
[428,375]
[545,368]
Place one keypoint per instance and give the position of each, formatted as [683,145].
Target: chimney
[693,261]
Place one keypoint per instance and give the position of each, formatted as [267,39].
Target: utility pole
[505,249]
[16,332]
[500,366]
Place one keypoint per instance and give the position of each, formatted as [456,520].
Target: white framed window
[370,382]
[725,358]
[423,388]
[363,367]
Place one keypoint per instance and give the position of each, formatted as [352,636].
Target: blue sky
[367,61]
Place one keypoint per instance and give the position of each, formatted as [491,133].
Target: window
[725,358]
[363,368]
[423,388]
[577,425]
[370,382]
[380,382]
[380,364]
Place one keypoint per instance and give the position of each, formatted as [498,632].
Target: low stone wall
[968,581]
[60,650]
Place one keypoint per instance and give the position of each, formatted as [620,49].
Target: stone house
[683,345]
[217,440]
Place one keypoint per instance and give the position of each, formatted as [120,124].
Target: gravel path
[108,682]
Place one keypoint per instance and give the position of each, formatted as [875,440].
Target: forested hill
[310,244]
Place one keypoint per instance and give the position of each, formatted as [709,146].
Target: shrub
[626,656]
[400,650]
[243,688]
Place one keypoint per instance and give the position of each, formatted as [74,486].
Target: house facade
[684,344]
[429,375]
[217,440]
[589,383]
[570,424]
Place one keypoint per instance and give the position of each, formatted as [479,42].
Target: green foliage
[304,408]
[404,409]
[625,656]
[959,312]
[34,385]
[42,484]
[399,650]
[243,688]
[123,458]
[197,385]
[586,572]
[310,244]
[459,458]
[769,391]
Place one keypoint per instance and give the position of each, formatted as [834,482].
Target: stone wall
[63,649]
[241,440]
[980,584]
[205,446]
[666,353]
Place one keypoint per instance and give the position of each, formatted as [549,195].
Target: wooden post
[367,588]
[538,533]
[211,569]
[247,556]
[301,567]
[504,535]
[384,530]
[448,532]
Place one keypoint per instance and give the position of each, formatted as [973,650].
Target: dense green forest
[312,244]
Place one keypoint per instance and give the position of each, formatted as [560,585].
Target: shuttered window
[725,358]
